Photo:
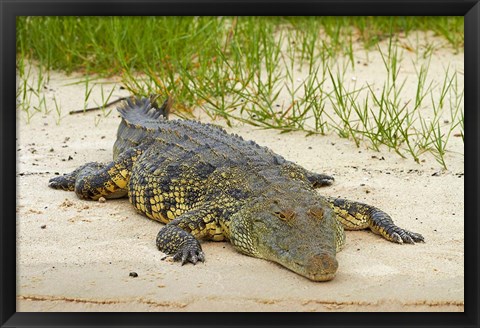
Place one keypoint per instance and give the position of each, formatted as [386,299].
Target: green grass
[285,73]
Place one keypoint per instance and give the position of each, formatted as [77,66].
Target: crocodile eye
[285,215]
[316,212]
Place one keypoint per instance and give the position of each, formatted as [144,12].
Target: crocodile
[206,184]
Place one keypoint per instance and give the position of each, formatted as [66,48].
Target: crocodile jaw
[321,266]
[305,245]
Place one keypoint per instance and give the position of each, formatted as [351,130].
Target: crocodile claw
[54,183]
[65,182]
[190,253]
[320,180]
[402,236]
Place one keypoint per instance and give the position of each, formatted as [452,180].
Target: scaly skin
[204,183]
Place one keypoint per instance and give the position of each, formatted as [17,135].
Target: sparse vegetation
[285,73]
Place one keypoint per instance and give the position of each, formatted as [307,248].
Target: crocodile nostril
[323,263]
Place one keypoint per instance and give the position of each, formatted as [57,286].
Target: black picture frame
[10,9]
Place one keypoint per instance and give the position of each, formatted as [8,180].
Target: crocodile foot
[400,236]
[320,180]
[190,252]
[65,182]
[68,181]
[174,241]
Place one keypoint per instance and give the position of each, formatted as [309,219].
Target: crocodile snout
[321,267]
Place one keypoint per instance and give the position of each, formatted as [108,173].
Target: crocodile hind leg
[356,216]
[67,181]
[94,180]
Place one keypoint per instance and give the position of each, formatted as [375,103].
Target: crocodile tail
[140,117]
[145,112]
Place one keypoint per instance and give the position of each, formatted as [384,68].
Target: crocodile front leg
[356,216]
[319,180]
[173,240]
[297,172]
[179,237]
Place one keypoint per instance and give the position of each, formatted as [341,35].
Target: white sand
[81,259]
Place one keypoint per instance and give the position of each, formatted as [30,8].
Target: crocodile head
[295,228]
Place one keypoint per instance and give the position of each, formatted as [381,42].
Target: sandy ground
[75,255]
